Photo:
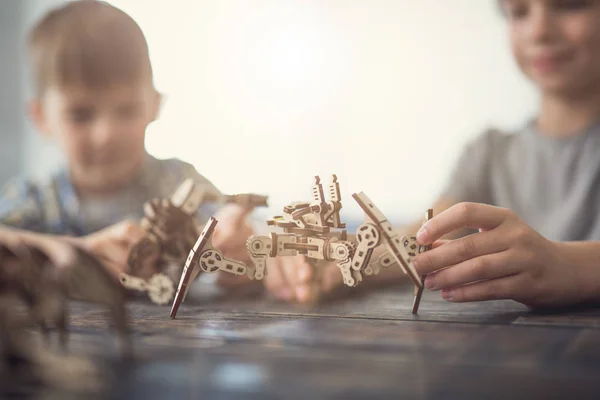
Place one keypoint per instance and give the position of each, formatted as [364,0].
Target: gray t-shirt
[553,184]
[53,205]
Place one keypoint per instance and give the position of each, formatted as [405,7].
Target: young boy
[534,195]
[94,96]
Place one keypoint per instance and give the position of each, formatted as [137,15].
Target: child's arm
[110,245]
[113,244]
[507,259]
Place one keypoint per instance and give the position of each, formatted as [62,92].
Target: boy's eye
[515,9]
[81,114]
[519,9]
[572,4]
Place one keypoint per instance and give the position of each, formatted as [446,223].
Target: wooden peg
[419,290]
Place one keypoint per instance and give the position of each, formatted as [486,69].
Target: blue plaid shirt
[54,207]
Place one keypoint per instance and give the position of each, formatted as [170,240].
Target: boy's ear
[36,113]
[157,105]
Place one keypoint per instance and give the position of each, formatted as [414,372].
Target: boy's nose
[104,133]
[541,26]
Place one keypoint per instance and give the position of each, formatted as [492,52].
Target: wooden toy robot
[315,230]
[171,229]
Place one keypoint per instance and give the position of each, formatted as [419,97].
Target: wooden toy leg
[419,290]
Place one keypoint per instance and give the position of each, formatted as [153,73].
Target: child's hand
[230,237]
[113,244]
[507,259]
[59,253]
[294,279]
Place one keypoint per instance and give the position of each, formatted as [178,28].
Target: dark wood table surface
[367,346]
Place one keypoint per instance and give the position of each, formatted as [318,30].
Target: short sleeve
[469,179]
[178,171]
[188,171]
[20,206]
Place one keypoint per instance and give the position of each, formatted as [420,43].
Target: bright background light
[261,95]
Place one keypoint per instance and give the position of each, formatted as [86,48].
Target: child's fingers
[276,282]
[107,249]
[490,266]
[462,215]
[304,270]
[310,280]
[297,273]
[331,278]
[439,243]
[61,254]
[125,232]
[233,214]
[459,250]
[228,280]
[307,293]
[289,268]
[495,289]
[230,239]
[118,254]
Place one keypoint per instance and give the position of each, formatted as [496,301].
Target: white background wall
[260,95]
[11,99]
[40,156]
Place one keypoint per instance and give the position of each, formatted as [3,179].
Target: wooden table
[369,346]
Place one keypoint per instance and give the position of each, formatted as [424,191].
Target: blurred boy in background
[94,96]
[534,195]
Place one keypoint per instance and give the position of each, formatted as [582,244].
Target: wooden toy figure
[315,230]
[29,274]
[171,229]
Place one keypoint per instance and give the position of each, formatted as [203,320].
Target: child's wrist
[584,259]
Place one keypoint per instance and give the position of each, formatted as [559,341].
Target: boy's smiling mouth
[550,62]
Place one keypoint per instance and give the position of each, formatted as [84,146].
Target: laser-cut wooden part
[45,286]
[160,288]
[391,239]
[317,248]
[44,277]
[248,200]
[170,223]
[191,268]
[171,230]
[315,230]
[419,290]
[318,205]
[368,237]
[335,204]
[204,257]
[344,253]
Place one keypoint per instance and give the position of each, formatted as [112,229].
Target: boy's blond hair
[88,42]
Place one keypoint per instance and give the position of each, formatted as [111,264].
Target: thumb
[234,214]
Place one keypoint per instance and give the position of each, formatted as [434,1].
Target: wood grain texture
[365,347]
